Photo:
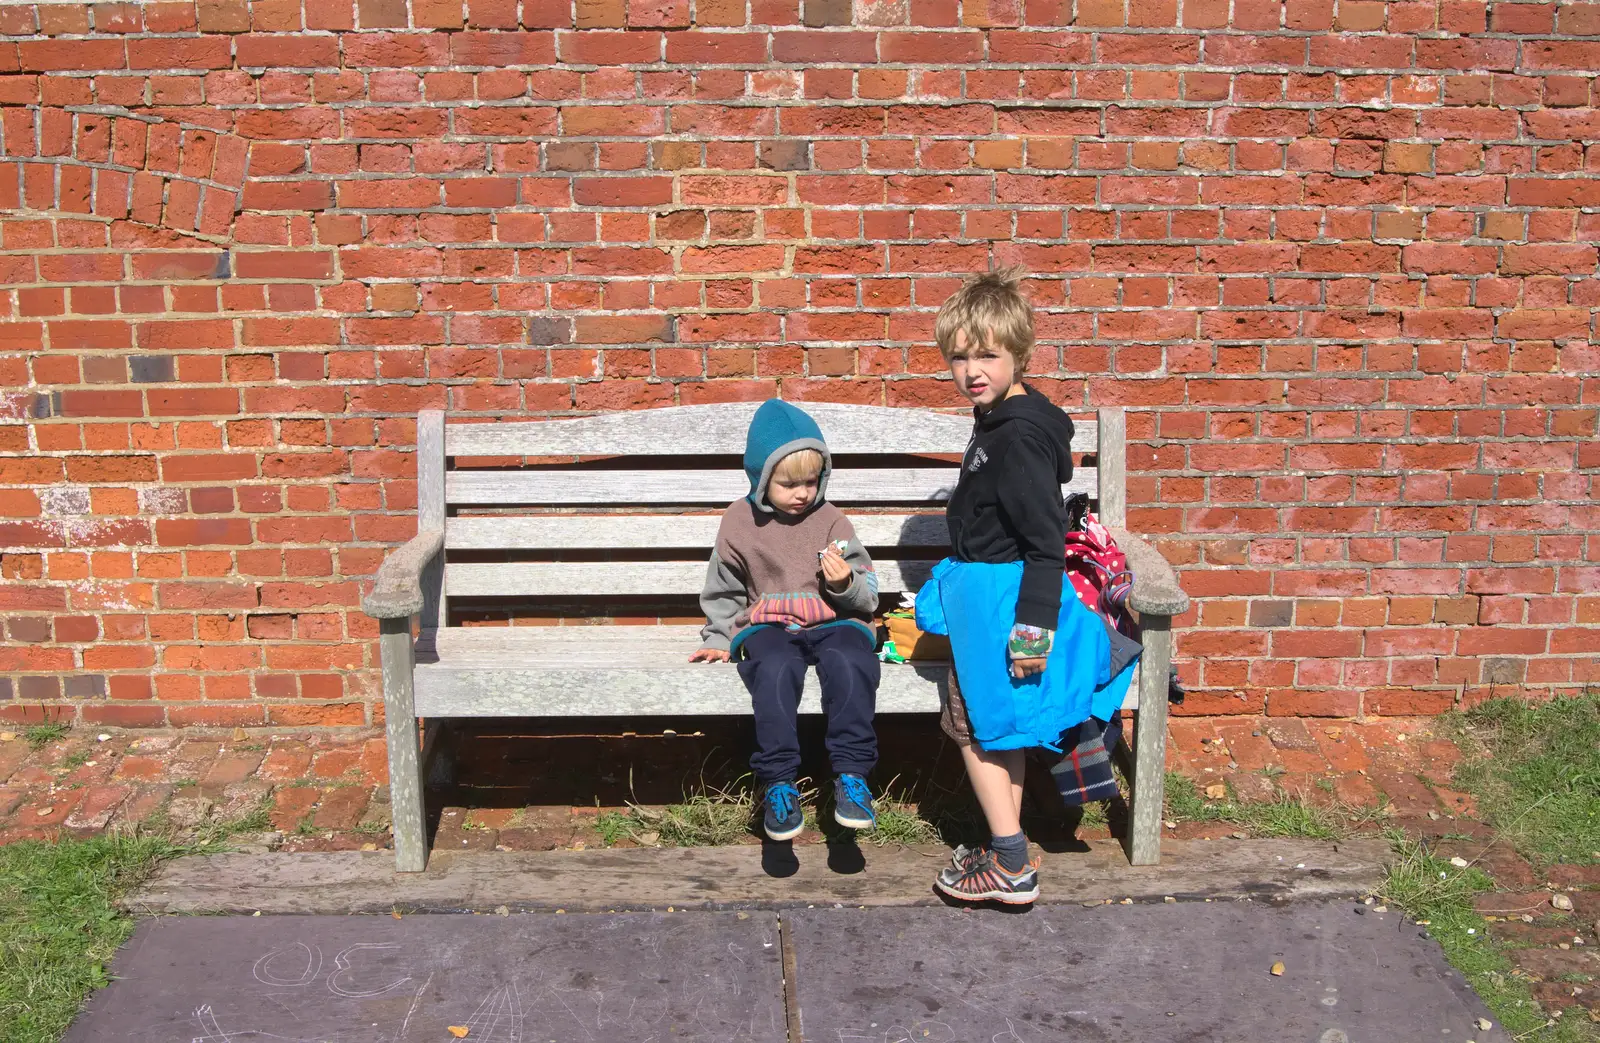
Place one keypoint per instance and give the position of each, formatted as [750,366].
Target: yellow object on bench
[913,643]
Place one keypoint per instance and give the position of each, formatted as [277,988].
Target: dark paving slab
[1144,973]
[523,979]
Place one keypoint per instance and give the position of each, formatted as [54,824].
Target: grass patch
[713,816]
[59,925]
[1285,816]
[41,735]
[900,821]
[1539,783]
[614,826]
[212,834]
[1433,891]
[1094,814]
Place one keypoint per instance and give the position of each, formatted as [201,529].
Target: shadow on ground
[508,765]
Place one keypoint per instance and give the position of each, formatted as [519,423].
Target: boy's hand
[835,569]
[1028,648]
[710,655]
[1021,668]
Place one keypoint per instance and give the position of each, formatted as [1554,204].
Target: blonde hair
[990,304]
[799,464]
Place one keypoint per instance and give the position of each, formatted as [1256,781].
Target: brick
[95,810]
[341,807]
[1512,904]
[290,805]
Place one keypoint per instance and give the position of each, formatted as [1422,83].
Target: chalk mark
[208,1025]
[415,1003]
[498,1018]
[262,972]
[342,964]
[214,1032]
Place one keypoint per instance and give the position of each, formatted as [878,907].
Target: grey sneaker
[783,819]
[852,802]
[962,855]
[984,880]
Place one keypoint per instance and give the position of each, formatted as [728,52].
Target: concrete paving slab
[737,877]
[522,979]
[1145,973]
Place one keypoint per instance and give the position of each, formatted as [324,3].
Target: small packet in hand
[842,545]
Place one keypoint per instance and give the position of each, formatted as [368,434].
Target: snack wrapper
[842,545]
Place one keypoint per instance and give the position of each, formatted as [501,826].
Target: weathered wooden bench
[631,509]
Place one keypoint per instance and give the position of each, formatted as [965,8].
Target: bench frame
[411,582]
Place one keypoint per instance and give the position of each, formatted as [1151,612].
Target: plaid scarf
[1083,774]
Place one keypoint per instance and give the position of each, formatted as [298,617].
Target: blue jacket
[975,604]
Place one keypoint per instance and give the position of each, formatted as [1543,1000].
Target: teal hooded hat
[777,430]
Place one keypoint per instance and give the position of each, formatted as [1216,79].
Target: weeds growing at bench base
[713,816]
[719,815]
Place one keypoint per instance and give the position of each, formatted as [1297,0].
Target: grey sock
[1011,852]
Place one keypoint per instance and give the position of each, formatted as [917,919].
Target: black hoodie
[1007,505]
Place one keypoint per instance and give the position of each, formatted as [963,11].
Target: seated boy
[789,586]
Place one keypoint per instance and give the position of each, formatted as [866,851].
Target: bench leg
[1150,742]
[405,762]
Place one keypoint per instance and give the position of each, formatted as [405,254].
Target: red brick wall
[1339,255]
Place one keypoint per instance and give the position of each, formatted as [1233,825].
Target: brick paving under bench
[519,791]
[330,790]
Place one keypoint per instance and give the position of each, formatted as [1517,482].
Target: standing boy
[789,586]
[1006,508]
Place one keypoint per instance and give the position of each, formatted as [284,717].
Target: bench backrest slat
[720,429]
[661,531]
[851,485]
[563,579]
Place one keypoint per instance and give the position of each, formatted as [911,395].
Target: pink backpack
[1096,567]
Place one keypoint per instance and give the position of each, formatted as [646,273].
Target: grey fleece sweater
[764,572]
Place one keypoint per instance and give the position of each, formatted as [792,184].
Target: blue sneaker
[852,802]
[783,819]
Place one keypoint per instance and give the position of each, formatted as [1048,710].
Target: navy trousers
[774,669]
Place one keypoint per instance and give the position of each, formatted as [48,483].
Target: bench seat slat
[585,671]
[720,429]
[619,578]
[639,531]
[850,485]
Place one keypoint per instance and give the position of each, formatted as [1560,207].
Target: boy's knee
[774,669]
[860,662]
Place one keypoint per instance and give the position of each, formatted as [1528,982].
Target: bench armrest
[1155,585]
[397,591]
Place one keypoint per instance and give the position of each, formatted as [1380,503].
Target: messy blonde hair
[797,465]
[991,304]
